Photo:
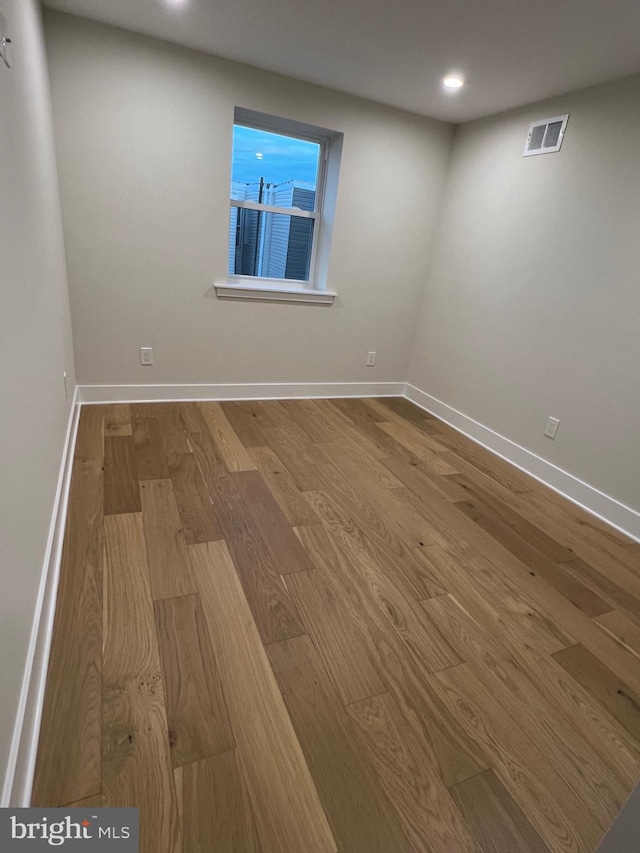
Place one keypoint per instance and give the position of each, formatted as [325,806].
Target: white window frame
[284,289]
[547,121]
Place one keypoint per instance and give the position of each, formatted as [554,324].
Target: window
[545,136]
[278,177]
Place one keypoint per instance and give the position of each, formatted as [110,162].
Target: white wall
[35,345]
[143,132]
[532,303]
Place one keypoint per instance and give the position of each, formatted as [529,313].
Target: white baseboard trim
[18,780]
[242,391]
[608,509]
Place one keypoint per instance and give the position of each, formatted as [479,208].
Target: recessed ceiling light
[453,82]
[175,2]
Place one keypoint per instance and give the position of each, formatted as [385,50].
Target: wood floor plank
[436,584]
[405,409]
[196,712]
[329,624]
[491,504]
[453,755]
[495,818]
[267,595]
[400,410]
[405,513]
[359,813]
[358,412]
[532,777]
[359,426]
[231,448]
[346,584]
[554,573]
[395,408]
[217,814]
[618,595]
[90,436]
[617,749]
[588,757]
[435,465]
[166,546]
[139,411]
[489,593]
[622,629]
[394,599]
[486,462]
[151,462]
[553,606]
[475,483]
[270,603]
[286,550]
[68,762]
[283,487]
[613,655]
[604,554]
[378,411]
[312,417]
[383,527]
[197,514]
[359,468]
[411,437]
[274,413]
[356,421]
[498,599]
[301,457]
[88,803]
[286,805]
[248,423]
[208,459]
[172,433]
[583,522]
[117,419]
[612,692]
[136,759]
[121,493]
[199,438]
[427,814]
[423,480]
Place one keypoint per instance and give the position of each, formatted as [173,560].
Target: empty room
[320,435]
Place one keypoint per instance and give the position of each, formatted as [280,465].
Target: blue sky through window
[276,158]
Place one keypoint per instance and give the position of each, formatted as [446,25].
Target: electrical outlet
[66,384]
[371,359]
[552,427]
[146,355]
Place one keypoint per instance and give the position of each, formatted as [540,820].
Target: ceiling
[510,52]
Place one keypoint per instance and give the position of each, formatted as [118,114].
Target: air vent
[545,136]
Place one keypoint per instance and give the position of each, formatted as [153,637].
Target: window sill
[275,293]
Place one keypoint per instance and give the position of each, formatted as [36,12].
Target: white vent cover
[545,136]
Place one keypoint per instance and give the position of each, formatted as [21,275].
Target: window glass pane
[269,245]
[274,169]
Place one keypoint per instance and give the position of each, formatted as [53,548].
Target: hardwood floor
[335,625]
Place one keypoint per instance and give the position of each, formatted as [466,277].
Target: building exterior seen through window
[275,204]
